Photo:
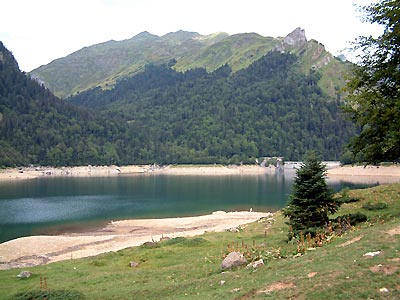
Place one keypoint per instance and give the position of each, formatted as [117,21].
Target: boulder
[24,274]
[234,259]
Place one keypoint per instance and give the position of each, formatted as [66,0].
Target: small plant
[344,197]
[255,252]
[353,219]
[375,206]
[150,245]
[98,263]
[48,295]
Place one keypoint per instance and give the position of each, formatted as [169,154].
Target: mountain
[38,128]
[270,108]
[107,63]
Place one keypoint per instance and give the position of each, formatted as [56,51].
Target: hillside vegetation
[109,62]
[270,108]
[190,267]
[38,128]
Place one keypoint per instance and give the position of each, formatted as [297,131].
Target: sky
[39,31]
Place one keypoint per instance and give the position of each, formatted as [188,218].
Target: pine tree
[311,200]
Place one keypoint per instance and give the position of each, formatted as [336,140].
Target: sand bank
[102,171]
[216,170]
[83,171]
[393,170]
[37,250]
[368,174]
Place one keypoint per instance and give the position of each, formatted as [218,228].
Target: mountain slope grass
[190,268]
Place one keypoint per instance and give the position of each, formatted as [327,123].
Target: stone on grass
[24,274]
[234,259]
[372,254]
[133,264]
[255,264]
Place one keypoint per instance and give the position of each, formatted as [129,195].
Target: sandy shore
[102,171]
[206,170]
[393,170]
[36,250]
[368,174]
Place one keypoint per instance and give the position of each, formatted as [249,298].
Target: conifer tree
[311,200]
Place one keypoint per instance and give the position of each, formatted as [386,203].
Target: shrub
[375,206]
[49,295]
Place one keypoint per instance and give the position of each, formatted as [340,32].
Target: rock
[24,274]
[133,264]
[234,259]
[372,254]
[296,37]
[222,282]
[312,274]
[255,264]
[384,290]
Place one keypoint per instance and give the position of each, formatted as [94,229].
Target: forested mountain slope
[107,63]
[38,128]
[270,108]
[160,115]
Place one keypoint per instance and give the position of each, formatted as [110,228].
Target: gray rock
[234,259]
[133,264]
[296,37]
[24,274]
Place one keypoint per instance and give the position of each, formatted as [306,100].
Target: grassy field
[189,268]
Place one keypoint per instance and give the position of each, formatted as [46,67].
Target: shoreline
[31,251]
[390,173]
[108,171]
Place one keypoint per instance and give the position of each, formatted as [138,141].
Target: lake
[55,205]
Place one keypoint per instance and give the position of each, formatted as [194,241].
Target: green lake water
[57,205]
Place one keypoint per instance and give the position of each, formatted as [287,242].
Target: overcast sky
[39,31]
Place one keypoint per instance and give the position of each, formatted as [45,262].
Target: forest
[162,116]
[270,108]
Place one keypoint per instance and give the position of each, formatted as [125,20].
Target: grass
[189,268]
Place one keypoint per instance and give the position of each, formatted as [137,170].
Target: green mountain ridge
[109,62]
[161,115]
[270,108]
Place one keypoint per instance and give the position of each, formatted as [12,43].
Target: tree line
[270,108]
[162,116]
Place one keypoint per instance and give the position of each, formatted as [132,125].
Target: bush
[353,219]
[345,198]
[49,295]
[375,206]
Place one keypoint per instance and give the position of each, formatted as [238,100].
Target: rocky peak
[296,37]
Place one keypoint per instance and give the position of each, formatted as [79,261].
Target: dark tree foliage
[374,101]
[38,128]
[162,116]
[268,109]
[311,200]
